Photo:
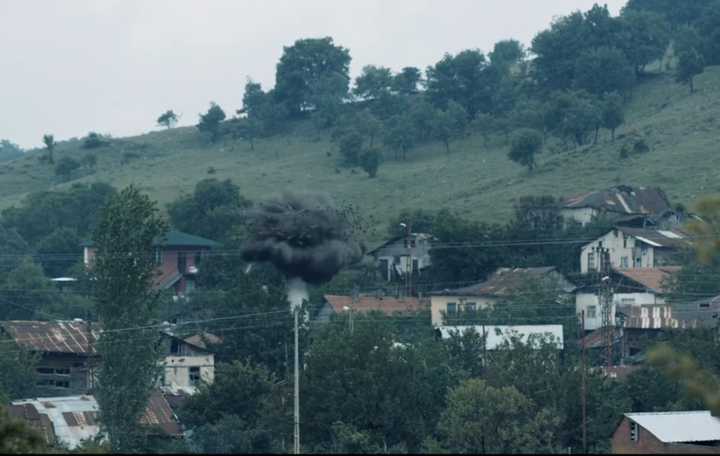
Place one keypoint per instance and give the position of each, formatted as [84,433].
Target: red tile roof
[386,305]
[52,336]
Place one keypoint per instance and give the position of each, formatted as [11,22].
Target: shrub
[94,140]
[370,161]
[66,166]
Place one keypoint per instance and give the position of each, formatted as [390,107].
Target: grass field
[478,180]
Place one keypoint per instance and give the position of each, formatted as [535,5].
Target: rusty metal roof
[160,415]
[387,305]
[504,281]
[650,278]
[623,199]
[52,336]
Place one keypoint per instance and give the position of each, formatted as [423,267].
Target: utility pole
[408,266]
[606,297]
[583,390]
[296,407]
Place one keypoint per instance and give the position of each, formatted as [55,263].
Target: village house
[695,432]
[498,335]
[177,256]
[69,420]
[400,255]
[500,285]
[66,349]
[616,202]
[68,357]
[631,248]
[698,313]
[638,296]
[336,304]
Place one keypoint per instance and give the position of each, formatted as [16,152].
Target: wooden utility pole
[583,387]
[608,326]
[297,385]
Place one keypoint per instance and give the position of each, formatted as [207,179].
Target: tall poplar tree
[124,267]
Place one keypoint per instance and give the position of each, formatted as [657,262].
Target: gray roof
[622,199]
[676,427]
[659,238]
[504,281]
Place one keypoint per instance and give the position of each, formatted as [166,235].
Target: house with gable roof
[691,432]
[176,255]
[615,202]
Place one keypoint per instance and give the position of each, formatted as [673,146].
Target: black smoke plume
[304,235]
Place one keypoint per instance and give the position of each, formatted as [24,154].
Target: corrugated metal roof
[72,419]
[677,427]
[52,336]
[658,238]
[498,334]
[386,305]
[623,199]
[651,278]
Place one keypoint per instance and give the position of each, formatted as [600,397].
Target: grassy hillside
[682,130]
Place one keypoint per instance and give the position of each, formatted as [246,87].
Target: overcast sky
[112,66]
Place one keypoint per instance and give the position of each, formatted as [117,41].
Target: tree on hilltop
[168,119]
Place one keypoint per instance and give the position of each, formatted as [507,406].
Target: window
[194,376]
[51,371]
[634,431]
[627,301]
[624,241]
[624,262]
[592,312]
[174,347]
[705,304]
[470,307]
[158,257]
[415,265]
[451,308]
[189,285]
[182,262]
[45,370]
[591,261]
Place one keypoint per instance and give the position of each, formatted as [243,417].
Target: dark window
[194,376]
[174,347]
[182,262]
[451,308]
[45,370]
[158,257]
[634,431]
[470,307]
[62,383]
[415,265]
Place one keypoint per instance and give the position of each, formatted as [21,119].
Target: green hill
[681,129]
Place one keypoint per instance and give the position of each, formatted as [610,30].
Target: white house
[402,254]
[619,201]
[632,248]
[638,295]
[497,335]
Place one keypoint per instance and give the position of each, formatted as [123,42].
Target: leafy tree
[368,125]
[9,150]
[690,64]
[17,373]
[526,143]
[49,141]
[123,269]
[507,53]
[66,166]
[351,145]
[18,437]
[59,251]
[406,81]
[41,213]
[168,119]
[310,69]
[210,121]
[646,37]
[254,99]
[450,124]
[580,117]
[373,82]
[465,78]
[370,161]
[213,210]
[400,135]
[248,129]
[505,423]
[372,385]
[613,113]
[14,247]
[240,412]
[94,140]
[709,28]
[25,291]
[603,70]
[651,391]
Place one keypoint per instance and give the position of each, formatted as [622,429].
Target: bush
[128,157]
[66,166]
[350,147]
[640,146]
[370,161]
[94,140]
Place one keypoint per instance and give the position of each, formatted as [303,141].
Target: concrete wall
[625,253]
[642,310]
[582,215]
[177,369]
[438,305]
[396,253]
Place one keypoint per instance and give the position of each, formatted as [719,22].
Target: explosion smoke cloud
[304,235]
